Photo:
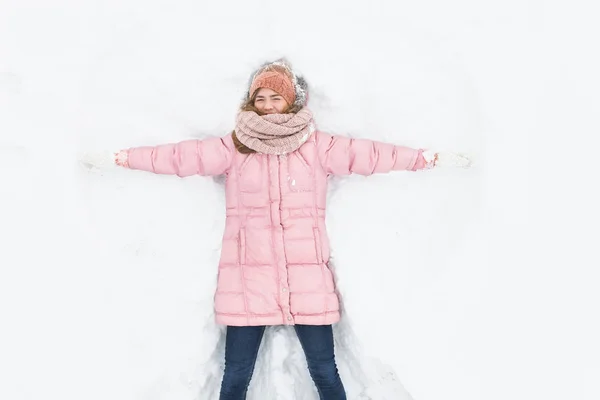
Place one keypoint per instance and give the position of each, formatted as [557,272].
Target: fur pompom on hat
[279,76]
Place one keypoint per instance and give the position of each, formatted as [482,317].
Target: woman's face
[268,101]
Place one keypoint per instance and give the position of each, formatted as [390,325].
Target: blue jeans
[241,349]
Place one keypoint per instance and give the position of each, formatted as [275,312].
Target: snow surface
[454,286]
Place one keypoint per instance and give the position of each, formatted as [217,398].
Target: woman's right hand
[103,159]
[121,158]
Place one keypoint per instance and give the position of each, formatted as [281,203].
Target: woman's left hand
[447,159]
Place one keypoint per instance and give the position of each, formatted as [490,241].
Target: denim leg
[317,342]
[241,348]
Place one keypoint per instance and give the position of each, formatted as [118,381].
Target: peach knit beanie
[280,77]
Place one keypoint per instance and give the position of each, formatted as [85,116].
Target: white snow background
[474,284]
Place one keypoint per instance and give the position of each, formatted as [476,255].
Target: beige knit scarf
[274,133]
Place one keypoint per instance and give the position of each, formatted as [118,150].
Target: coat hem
[277,319]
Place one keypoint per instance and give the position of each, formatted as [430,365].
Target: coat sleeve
[343,156]
[190,157]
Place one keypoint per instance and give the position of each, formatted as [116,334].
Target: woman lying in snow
[275,251]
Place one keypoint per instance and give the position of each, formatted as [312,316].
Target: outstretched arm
[191,157]
[343,156]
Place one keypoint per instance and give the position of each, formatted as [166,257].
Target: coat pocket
[318,245]
[242,246]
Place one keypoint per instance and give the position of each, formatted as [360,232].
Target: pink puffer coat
[273,267]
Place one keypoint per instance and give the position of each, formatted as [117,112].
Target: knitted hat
[276,80]
[278,76]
